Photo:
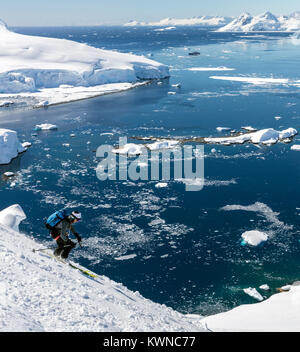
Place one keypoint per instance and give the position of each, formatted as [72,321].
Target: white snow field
[10,145]
[59,70]
[38,293]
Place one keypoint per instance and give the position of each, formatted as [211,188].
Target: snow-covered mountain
[213,21]
[30,63]
[243,23]
[290,23]
[263,22]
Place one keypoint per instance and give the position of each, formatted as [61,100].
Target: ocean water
[175,247]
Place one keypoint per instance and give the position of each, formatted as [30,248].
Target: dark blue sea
[175,247]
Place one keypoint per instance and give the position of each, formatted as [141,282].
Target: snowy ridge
[33,284]
[243,23]
[263,22]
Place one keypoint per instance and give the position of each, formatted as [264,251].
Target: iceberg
[10,145]
[254,237]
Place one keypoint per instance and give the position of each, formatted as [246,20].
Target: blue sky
[96,12]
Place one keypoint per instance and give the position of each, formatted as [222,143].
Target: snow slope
[29,64]
[38,293]
[281,312]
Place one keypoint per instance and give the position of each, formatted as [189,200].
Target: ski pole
[44,249]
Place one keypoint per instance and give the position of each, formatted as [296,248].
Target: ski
[84,271]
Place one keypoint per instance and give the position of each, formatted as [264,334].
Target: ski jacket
[64,227]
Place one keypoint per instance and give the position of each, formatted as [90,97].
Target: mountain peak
[268,16]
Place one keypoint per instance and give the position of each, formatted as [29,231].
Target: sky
[97,12]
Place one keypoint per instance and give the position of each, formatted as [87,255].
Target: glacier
[49,68]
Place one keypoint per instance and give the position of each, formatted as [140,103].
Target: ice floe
[45,127]
[126,257]
[136,149]
[253,80]
[295,147]
[161,185]
[264,287]
[221,129]
[252,292]
[219,68]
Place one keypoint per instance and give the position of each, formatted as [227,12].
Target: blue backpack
[56,218]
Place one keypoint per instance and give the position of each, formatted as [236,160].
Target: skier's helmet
[76,215]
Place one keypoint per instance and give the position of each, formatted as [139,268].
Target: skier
[60,233]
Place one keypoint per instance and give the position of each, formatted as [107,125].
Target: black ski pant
[63,248]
